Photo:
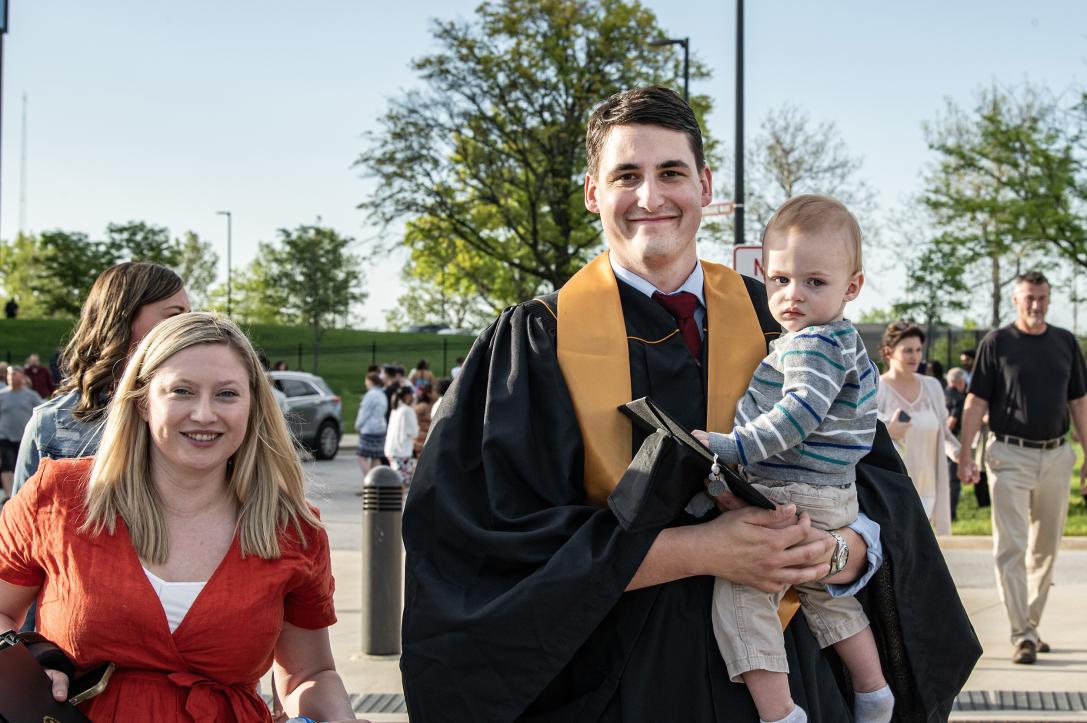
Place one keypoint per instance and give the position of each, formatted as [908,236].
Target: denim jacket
[54,433]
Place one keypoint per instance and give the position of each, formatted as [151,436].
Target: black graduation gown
[515,606]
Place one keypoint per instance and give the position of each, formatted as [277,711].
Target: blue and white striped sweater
[809,414]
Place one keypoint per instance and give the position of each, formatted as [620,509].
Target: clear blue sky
[167,112]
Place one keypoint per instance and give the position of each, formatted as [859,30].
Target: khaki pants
[1029,490]
[745,620]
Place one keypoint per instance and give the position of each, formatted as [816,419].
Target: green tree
[447,283]
[196,265]
[318,278]
[937,285]
[255,298]
[492,153]
[1003,193]
[69,263]
[21,272]
[140,241]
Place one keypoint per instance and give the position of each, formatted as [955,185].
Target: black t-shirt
[1028,380]
[955,400]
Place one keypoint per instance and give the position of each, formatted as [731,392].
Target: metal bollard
[382,576]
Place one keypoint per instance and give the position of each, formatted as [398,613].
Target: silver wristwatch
[841,553]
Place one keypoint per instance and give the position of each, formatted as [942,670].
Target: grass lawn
[974,520]
[345,353]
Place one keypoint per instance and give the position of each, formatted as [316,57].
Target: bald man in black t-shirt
[1031,379]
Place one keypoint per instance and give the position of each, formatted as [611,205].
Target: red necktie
[682,306]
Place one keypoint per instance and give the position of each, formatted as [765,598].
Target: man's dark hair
[653,106]
[1032,277]
[969,353]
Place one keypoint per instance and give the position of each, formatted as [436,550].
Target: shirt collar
[693,283]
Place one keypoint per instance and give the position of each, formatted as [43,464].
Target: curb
[985,542]
[971,705]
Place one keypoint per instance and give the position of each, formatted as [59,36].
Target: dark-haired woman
[126,301]
[400,437]
[913,408]
[421,374]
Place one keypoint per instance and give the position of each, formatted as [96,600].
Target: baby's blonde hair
[812,213]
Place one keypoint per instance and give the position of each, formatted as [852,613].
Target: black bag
[981,491]
[668,470]
[26,693]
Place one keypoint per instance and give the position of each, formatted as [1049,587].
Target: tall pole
[229,264]
[739,191]
[22,174]
[3,32]
[687,69]
[1075,300]
[686,43]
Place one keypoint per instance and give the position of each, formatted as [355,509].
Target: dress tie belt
[203,696]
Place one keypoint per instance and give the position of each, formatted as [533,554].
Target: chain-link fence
[441,355]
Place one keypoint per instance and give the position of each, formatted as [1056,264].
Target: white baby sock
[874,707]
[797,715]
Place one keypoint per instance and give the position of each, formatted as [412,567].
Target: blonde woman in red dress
[184,552]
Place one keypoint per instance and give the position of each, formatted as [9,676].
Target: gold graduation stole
[594,357]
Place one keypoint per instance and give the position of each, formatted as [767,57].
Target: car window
[297,388]
[323,386]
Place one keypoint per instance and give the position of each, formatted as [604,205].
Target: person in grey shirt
[17,402]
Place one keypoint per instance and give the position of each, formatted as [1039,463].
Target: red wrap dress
[96,603]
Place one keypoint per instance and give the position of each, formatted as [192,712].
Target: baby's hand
[701,436]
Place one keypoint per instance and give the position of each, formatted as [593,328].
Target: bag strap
[47,653]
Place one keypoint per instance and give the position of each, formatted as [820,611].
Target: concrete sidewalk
[1055,688]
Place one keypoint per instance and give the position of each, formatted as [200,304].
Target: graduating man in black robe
[527,599]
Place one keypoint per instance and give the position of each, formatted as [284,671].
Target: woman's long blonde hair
[264,475]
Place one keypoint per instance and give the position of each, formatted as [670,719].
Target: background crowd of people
[394,416]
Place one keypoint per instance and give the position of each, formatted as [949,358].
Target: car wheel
[328,441]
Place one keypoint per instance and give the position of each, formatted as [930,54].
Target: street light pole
[3,32]
[738,198]
[686,43]
[229,265]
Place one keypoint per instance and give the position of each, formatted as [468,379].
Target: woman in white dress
[400,437]
[913,408]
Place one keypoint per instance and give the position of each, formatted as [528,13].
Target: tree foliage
[197,265]
[490,155]
[255,298]
[140,241]
[446,283]
[313,275]
[21,273]
[52,273]
[1004,192]
[69,263]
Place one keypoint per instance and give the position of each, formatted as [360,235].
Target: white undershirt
[176,597]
